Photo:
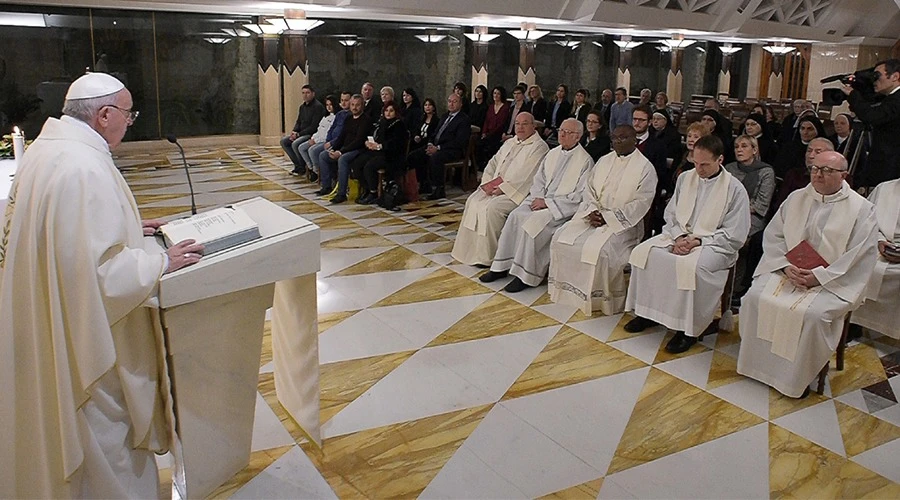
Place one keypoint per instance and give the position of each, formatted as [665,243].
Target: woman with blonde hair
[757,177]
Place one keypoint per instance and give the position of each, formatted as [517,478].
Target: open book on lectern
[217,230]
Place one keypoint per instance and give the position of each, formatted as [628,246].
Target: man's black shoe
[313,177]
[424,188]
[437,194]
[680,343]
[325,190]
[298,171]
[492,276]
[639,324]
[854,332]
[338,199]
[516,285]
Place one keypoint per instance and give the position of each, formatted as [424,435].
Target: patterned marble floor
[436,385]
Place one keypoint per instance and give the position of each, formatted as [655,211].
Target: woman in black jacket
[596,139]
[426,127]
[387,151]
[720,127]
[412,110]
[479,107]
[665,131]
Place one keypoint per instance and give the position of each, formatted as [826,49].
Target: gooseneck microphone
[171,138]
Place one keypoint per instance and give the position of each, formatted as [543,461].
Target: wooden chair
[726,321]
[839,362]
[466,164]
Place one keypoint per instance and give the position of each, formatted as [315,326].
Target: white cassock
[587,263]
[524,246]
[82,366]
[683,292]
[788,334]
[879,311]
[484,216]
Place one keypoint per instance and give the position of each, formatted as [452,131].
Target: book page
[208,226]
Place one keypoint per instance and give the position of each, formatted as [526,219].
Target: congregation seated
[790,154]
[385,151]
[479,106]
[588,254]
[620,111]
[320,135]
[661,104]
[505,185]
[791,318]
[653,148]
[604,106]
[790,123]
[425,129]
[524,246]
[771,126]
[645,96]
[677,277]
[411,111]
[387,94]
[344,150]
[495,123]
[308,117]
[448,144]
[371,103]
[882,296]
[581,107]
[337,126]
[596,139]
[754,126]
[537,106]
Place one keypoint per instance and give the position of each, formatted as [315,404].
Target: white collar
[75,121]
[643,137]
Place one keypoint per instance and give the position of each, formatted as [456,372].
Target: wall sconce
[572,44]
[431,38]
[295,20]
[480,35]
[528,32]
[728,49]
[778,49]
[677,42]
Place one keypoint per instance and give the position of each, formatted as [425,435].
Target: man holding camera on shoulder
[883,117]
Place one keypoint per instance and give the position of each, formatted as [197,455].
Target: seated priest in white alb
[879,311]
[588,254]
[677,277]
[818,253]
[524,247]
[504,186]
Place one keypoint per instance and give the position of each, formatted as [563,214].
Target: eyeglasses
[824,170]
[563,131]
[130,115]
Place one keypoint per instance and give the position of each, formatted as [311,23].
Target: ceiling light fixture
[263,29]
[349,41]
[598,44]
[528,32]
[572,44]
[728,49]
[778,49]
[22,19]
[627,44]
[678,42]
[216,40]
[295,20]
[480,35]
[431,38]
[235,32]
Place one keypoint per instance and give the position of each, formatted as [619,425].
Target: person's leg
[419,160]
[436,172]
[325,163]
[286,145]
[344,173]
[303,152]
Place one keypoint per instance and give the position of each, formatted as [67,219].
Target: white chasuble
[587,263]
[82,358]
[788,334]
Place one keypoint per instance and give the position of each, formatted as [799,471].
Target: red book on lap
[805,256]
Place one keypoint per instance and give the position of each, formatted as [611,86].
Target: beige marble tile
[361,238]
[543,300]
[395,461]
[335,221]
[861,431]
[723,371]
[799,468]
[327,320]
[165,484]
[862,368]
[581,316]
[164,212]
[445,248]
[308,207]
[282,195]
[619,332]
[138,188]
[584,491]
[499,315]
[259,460]
[259,185]
[266,354]
[342,382]
[436,210]
[569,358]
[441,284]
[446,219]
[662,355]
[429,238]
[394,221]
[781,405]
[395,259]
[409,229]
[672,415]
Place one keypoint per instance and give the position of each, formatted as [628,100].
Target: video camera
[862,81]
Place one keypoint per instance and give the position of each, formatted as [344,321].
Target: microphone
[171,138]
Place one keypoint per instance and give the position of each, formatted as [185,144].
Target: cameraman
[884,118]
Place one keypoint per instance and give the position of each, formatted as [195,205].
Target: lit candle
[18,143]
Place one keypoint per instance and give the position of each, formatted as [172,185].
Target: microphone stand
[171,138]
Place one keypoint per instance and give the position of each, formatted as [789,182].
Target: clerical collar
[567,151]
[713,176]
[626,155]
[643,137]
[75,121]
[835,197]
[525,140]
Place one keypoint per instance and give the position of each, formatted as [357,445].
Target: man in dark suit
[372,101]
[449,144]
[604,106]
[655,151]
[883,163]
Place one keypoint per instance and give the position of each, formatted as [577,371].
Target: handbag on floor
[391,196]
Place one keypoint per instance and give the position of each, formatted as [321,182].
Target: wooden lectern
[213,315]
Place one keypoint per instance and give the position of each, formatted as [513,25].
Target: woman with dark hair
[517,106]
[537,106]
[494,124]
[720,127]
[754,126]
[426,128]
[581,107]
[411,112]
[386,150]
[665,131]
[463,92]
[596,139]
[771,127]
[793,154]
[479,106]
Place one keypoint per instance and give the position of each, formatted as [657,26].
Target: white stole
[540,218]
[887,213]
[707,224]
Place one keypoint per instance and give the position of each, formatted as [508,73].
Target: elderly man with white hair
[82,406]
[524,247]
[818,253]
[505,185]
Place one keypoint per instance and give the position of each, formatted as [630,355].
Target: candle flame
[16,130]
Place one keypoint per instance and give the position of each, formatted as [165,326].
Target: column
[756,61]
[728,52]
[294,74]
[270,122]
[623,74]
[776,77]
[526,62]
[480,39]
[675,77]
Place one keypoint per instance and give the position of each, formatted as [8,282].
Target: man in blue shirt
[621,110]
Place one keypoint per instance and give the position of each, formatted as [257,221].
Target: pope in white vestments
[82,410]
[677,277]
[524,247]
[792,317]
[589,253]
[505,184]
[879,312]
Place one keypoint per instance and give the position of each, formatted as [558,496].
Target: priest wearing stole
[504,186]
[818,253]
[524,247]
[83,365]
[879,311]
[588,254]
[677,277]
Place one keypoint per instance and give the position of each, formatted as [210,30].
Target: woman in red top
[494,124]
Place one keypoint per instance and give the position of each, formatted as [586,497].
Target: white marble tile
[854,399]
[600,328]
[883,349]
[733,466]
[614,491]
[692,369]
[332,261]
[731,349]
[329,299]
[424,248]
[588,418]
[267,429]
[559,312]
[748,394]
[644,347]
[384,230]
[466,476]
[330,234]
[421,322]
[464,269]
[166,461]
[818,424]
[524,456]
[267,368]
[370,222]
[497,284]
[293,475]
[403,239]
[529,295]
[882,459]
[360,336]
[367,289]
[890,414]
[442,259]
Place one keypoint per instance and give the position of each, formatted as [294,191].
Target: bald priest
[505,184]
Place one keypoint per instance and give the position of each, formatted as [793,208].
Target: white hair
[578,125]
[86,109]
